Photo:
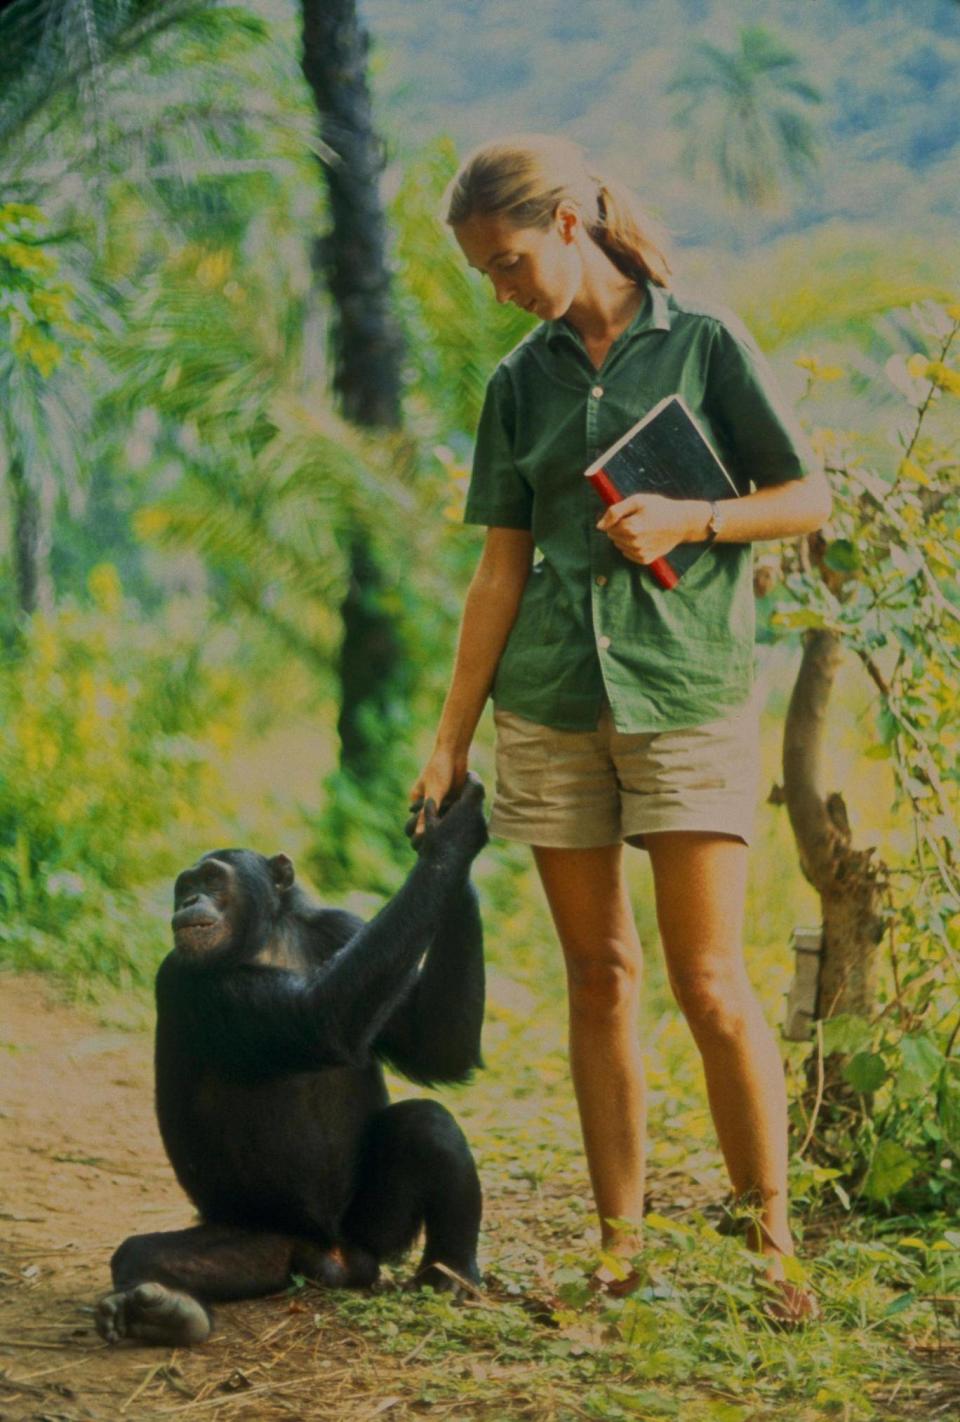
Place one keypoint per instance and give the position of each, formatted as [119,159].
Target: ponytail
[624,233]
[526,177]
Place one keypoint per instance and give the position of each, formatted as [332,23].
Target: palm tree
[744,116]
[68,127]
[374,666]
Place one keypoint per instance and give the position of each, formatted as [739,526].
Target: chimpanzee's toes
[459,1280]
[153,1313]
[109,1317]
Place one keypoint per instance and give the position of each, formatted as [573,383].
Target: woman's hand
[440,780]
[646,526]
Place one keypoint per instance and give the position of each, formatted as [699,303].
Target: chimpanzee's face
[205,904]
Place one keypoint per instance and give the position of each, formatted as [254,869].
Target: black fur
[273,1018]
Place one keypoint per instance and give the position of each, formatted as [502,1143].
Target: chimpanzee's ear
[281,871]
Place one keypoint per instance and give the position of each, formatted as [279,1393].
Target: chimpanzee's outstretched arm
[368,978]
[434,1033]
[333,1016]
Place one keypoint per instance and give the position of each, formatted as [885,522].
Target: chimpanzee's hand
[458,830]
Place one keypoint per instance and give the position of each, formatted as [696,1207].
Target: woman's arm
[491,607]
[646,526]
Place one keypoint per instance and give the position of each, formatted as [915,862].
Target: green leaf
[801,617]
[846,1033]
[842,556]
[866,1071]
[899,1304]
[652,1404]
[892,1166]
[887,725]
[921,1064]
[950,1111]
[841,1194]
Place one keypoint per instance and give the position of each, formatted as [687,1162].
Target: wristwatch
[715,522]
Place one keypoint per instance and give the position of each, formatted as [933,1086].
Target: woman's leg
[700,882]
[594,921]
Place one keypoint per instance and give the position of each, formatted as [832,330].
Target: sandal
[791,1305]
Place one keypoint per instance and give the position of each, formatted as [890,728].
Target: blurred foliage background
[180,486]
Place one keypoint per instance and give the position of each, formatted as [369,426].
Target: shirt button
[597,391]
[601,580]
[603,643]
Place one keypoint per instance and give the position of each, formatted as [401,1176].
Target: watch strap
[715,521]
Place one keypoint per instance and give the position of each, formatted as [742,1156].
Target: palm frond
[48,46]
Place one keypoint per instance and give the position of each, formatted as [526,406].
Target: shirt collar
[654,315]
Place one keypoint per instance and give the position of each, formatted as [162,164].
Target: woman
[623,711]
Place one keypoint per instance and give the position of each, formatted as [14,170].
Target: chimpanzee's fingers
[410,828]
[472,789]
[430,814]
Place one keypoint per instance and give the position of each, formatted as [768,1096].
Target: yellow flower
[45,645]
[32,345]
[103,582]
[910,470]
[149,522]
[221,735]
[818,371]
[917,366]
[49,305]
[27,257]
[214,268]
[944,377]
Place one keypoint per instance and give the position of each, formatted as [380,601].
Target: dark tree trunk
[367,354]
[850,881]
[373,672]
[352,257]
[30,540]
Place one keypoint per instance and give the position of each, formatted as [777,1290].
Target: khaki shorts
[583,789]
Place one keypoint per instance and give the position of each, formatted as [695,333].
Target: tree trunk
[373,667]
[373,672]
[850,881]
[352,257]
[30,541]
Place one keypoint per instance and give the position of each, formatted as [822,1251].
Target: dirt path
[82,1162]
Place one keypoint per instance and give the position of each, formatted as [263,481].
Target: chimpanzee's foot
[154,1314]
[456,1279]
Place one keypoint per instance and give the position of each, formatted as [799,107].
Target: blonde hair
[523,179]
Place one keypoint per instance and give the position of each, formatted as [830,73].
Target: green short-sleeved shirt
[591,621]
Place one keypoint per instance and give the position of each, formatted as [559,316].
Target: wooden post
[807,945]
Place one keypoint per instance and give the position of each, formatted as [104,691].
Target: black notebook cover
[667,453]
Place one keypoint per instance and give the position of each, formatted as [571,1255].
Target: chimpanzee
[273,1016]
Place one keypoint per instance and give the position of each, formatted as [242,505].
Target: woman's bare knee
[717,1005]
[603,984]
